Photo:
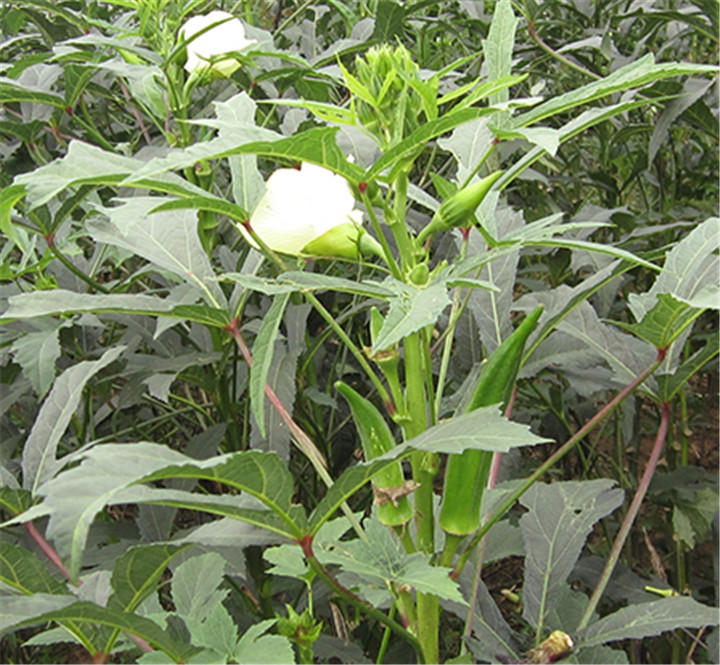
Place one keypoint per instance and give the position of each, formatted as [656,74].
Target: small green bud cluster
[302,629]
[388,107]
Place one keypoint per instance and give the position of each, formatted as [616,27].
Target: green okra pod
[389,485]
[466,473]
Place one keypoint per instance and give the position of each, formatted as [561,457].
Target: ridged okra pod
[376,439]
[466,473]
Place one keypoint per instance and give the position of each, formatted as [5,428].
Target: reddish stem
[497,456]
[303,440]
[306,545]
[48,550]
[140,642]
[47,128]
[50,553]
[632,512]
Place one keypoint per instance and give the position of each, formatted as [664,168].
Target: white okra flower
[225,37]
[310,212]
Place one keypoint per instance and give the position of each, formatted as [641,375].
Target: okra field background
[359,332]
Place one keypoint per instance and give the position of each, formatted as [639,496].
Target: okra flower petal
[222,38]
[309,212]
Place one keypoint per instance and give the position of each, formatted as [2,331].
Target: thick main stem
[398,224]
[415,425]
[424,466]
[629,517]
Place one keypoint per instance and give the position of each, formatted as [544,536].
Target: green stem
[424,467]
[72,268]
[680,553]
[389,258]
[552,460]
[398,224]
[448,344]
[292,16]
[349,344]
[193,405]
[406,606]
[422,463]
[415,386]
[146,423]
[478,166]
[684,441]
[428,619]
[403,533]
[454,318]
[426,339]
[629,517]
[452,542]
[89,126]
[360,604]
[558,56]
[680,547]
[385,638]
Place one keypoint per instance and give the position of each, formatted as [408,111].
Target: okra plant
[313,245]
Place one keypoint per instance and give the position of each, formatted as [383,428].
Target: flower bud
[389,104]
[420,275]
[459,208]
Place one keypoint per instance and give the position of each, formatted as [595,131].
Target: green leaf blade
[665,322]
[262,352]
[38,459]
[422,135]
[87,612]
[381,561]
[499,45]
[646,619]
[23,571]
[195,585]
[138,573]
[637,74]
[37,352]
[559,519]
[410,310]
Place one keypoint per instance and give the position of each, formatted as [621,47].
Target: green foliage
[559,519]
[551,158]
